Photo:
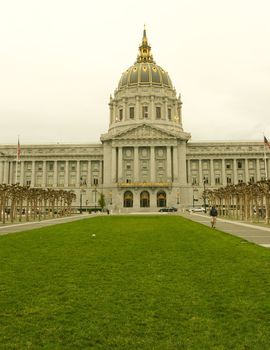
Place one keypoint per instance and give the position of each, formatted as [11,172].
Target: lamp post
[81,202]
[111,198]
[204,197]
[193,197]
[178,197]
[95,192]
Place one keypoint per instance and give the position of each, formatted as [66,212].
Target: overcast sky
[61,59]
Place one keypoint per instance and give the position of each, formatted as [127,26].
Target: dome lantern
[145,50]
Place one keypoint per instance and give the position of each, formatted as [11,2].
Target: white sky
[61,59]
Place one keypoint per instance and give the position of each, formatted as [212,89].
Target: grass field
[141,283]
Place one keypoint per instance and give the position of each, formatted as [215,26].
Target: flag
[18,151]
[266,143]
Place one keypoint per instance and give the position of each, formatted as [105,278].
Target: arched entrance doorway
[128,199]
[161,199]
[145,199]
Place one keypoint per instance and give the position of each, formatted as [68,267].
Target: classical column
[111,113]
[6,171]
[212,175]
[136,164]
[223,170]
[120,164]
[152,164]
[137,105]
[124,109]
[43,173]
[21,172]
[55,173]
[152,108]
[33,174]
[165,111]
[175,163]
[1,171]
[78,174]
[101,173]
[182,164]
[246,171]
[66,174]
[188,171]
[113,164]
[169,164]
[89,177]
[200,172]
[258,174]
[114,112]
[235,177]
[11,175]
[268,172]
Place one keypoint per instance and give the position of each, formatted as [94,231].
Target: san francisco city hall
[145,160]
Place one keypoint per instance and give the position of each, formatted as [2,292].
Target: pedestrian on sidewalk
[213,214]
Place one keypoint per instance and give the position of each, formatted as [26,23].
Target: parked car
[168,210]
[196,210]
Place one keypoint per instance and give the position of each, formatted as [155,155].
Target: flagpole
[265,161]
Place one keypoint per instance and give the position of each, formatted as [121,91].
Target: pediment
[144,132]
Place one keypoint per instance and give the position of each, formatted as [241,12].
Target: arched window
[161,199]
[128,199]
[145,199]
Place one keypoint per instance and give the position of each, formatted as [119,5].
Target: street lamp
[193,197]
[204,195]
[95,191]
[111,198]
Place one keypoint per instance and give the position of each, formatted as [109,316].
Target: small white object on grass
[93,235]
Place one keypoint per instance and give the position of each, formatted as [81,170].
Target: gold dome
[145,71]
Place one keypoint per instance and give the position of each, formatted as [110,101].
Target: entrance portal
[145,199]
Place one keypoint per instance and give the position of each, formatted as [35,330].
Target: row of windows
[145,113]
[228,165]
[228,180]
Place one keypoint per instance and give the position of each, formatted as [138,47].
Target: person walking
[213,214]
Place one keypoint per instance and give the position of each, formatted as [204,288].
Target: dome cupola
[145,95]
[145,71]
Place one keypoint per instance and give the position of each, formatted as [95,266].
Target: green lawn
[142,283]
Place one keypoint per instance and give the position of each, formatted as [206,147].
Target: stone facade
[145,160]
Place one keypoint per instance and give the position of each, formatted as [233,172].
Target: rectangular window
[239,165]
[158,112]
[229,180]
[169,114]
[145,111]
[120,114]
[228,166]
[217,180]
[252,180]
[131,112]
[51,166]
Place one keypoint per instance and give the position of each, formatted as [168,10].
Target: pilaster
[152,164]
[169,164]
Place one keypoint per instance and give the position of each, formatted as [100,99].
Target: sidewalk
[250,232]
[12,228]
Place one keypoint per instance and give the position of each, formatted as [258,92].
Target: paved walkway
[250,232]
[12,228]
